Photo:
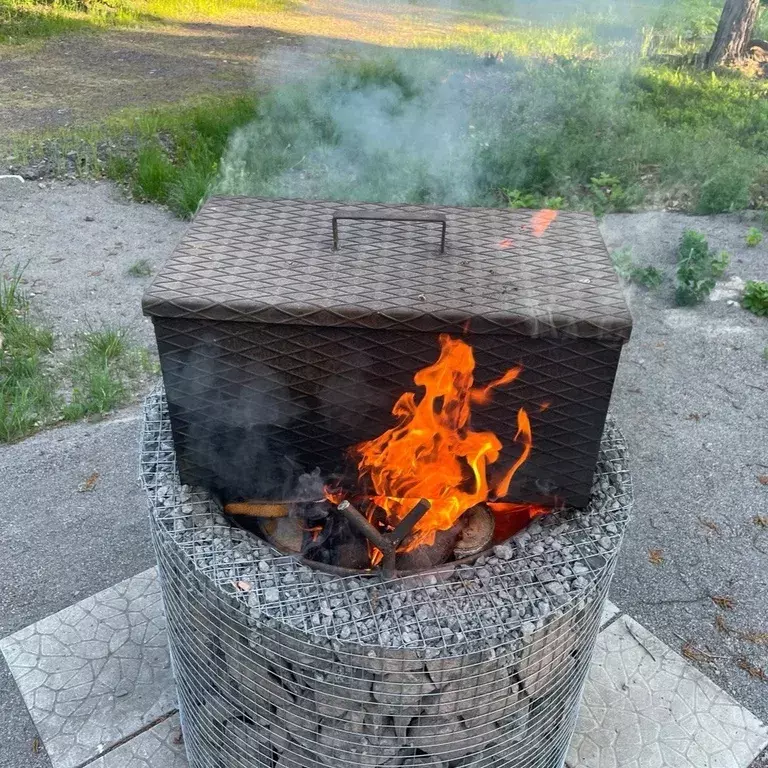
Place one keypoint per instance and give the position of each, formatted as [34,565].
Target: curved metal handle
[434,218]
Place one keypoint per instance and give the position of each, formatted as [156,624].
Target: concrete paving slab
[97,672]
[646,707]
[158,747]
[610,611]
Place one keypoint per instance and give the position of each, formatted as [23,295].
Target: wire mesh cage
[464,666]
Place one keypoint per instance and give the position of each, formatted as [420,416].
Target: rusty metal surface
[273,261]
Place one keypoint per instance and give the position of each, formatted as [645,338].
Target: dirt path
[80,78]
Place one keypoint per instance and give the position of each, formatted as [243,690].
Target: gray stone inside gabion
[471,665]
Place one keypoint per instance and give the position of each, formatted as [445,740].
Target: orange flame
[541,220]
[432,453]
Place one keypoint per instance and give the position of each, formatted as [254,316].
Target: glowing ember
[433,453]
[506,243]
[541,220]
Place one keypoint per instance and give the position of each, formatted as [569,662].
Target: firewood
[258,508]
[477,531]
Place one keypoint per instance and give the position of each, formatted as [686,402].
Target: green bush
[698,267]
[753,237]
[648,277]
[755,297]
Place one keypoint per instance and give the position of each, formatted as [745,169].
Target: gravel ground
[76,242]
[690,398]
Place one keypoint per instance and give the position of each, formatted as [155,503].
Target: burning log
[476,532]
[386,543]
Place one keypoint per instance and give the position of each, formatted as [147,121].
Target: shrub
[648,277]
[698,266]
[755,297]
[754,237]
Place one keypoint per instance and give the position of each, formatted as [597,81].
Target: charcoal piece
[427,556]
[338,544]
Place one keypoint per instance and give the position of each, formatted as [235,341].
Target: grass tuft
[140,268]
[753,238]
[103,371]
[27,392]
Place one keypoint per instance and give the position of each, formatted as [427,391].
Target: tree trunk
[733,32]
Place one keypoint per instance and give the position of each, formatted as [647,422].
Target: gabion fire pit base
[470,666]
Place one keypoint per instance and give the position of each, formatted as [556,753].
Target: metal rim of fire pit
[466,666]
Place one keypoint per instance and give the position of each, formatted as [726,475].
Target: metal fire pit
[288,329]
[469,666]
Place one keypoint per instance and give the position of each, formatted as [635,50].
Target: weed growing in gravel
[27,392]
[140,268]
[104,371]
[753,237]
[698,267]
[648,277]
[755,297]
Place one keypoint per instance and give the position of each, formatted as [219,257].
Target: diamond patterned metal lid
[273,261]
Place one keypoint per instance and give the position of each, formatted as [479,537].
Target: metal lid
[274,261]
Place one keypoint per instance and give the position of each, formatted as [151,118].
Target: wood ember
[429,555]
[476,533]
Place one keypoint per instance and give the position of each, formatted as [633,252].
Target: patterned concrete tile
[610,611]
[157,747]
[645,707]
[97,672]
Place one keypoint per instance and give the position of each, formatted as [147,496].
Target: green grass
[24,20]
[104,371]
[648,277]
[140,268]
[39,390]
[753,238]
[168,155]
[27,390]
[580,121]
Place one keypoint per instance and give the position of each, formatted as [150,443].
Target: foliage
[698,266]
[648,277]
[610,195]
[102,371]
[753,237]
[27,391]
[755,297]
[518,199]
[575,129]
[179,169]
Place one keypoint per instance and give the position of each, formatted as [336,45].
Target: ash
[557,568]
